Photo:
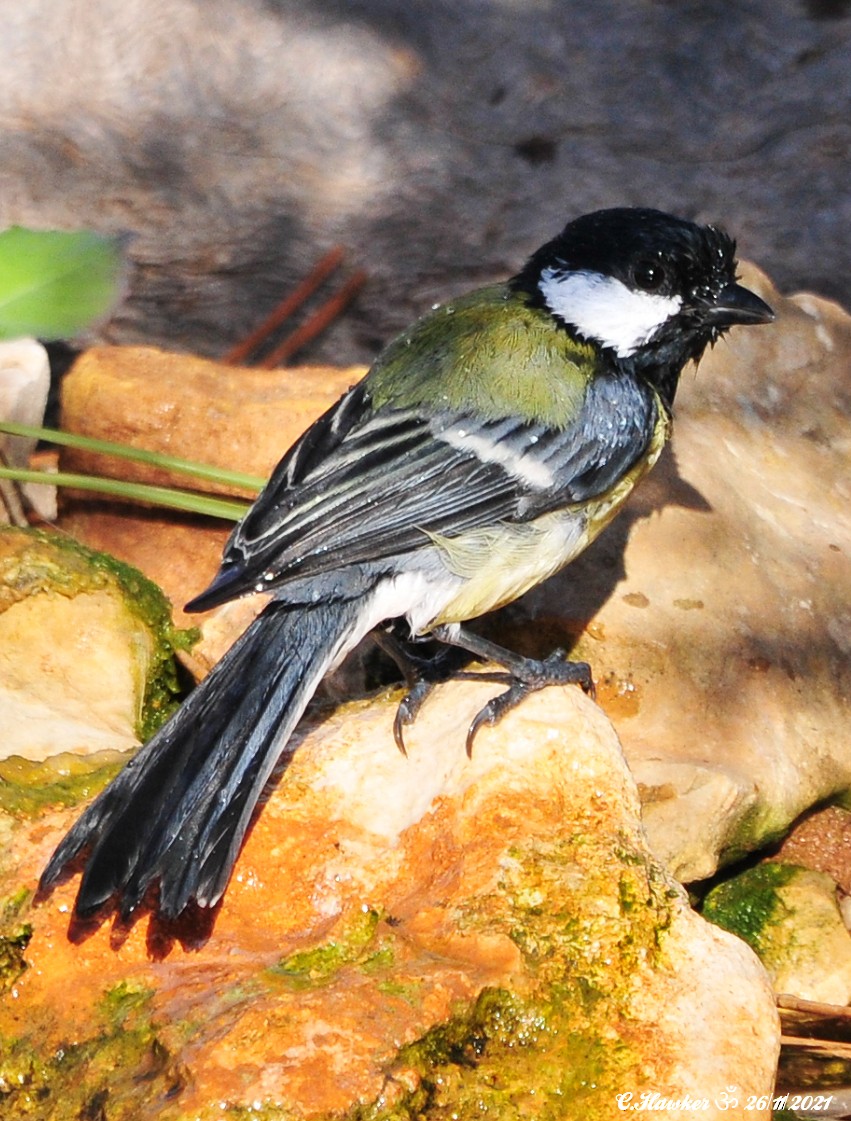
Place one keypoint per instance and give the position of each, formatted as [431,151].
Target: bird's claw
[421,675]
[494,711]
[556,670]
[408,709]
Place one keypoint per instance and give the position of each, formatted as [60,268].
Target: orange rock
[420,933]
[238,418]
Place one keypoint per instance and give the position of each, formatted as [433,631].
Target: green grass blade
[138,455]
[137,492]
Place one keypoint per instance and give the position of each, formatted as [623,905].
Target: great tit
[486,447]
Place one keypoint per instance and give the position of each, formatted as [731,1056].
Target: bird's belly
[501,563]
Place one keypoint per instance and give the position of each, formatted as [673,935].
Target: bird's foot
[526,675]
[522,675]
[526,679]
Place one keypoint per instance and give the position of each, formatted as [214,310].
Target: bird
[485,448]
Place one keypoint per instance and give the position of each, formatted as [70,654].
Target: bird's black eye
[648,275]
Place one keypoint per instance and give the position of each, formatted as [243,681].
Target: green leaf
[54,284]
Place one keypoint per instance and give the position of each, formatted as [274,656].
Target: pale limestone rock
[504,910]
[70,677]
[81,646]
[707,988]
[810,955]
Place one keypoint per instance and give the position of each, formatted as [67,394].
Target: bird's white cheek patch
[604,310]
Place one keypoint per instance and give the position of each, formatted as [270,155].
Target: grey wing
[364,486]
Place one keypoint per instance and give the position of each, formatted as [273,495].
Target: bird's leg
[527,675]
[421,675]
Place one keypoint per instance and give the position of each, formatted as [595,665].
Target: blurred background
[439,143]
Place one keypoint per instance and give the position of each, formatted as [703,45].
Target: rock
[86,660]
[439,936]
[821,840]
[217,415]
[438,142]
[790,916]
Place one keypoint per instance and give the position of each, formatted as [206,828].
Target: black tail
[178,812]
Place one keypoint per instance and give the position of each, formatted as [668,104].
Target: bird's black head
[651,289]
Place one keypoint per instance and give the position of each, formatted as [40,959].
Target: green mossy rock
[87,667]
[790,916]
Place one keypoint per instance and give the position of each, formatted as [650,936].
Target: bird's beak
[735,304]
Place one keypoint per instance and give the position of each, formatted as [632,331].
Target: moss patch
[759,827]
[501,1058]
[15,934]
[749,905]
[560,1045]
[27,788]
[123,1072]
[353,944]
